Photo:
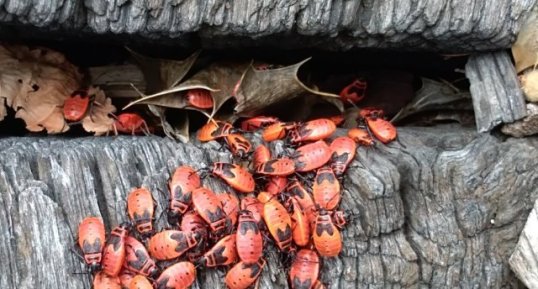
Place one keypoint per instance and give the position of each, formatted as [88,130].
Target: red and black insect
[178,276]
[327,238]
[214,130]
[238,144]
[242,275]
[181,184]
[298,191]
[140,208]
[343,152]
[230,205]
[103,281]
[137,258]
[200,98]
[276,131]
[313,130]
[248,238]
[235,176]
[130,122]
[276,185]
[170,244]
[360,136]
[209,207]
[255,123]
[261,155]
[374,112]
[304,271]
[311,156]
[254,206]
[192,222]
[278,222]
[114,252]
[277,167]
[223,253]
[140,282]
[354,92]
[91,239]
[300,224]
[382,129]
[77,106]
[326,189]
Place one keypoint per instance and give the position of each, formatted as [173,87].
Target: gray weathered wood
[497,97]
[452,25]
[423,206]
[524,260]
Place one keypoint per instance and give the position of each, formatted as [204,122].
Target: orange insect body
[354,92]
[297,190]
[230,205]
[304,270]
[278,222]
[129,122]
[103,281]
[238,144]
[382,129]
[311,156]
[258,122]
[248,238]
[200,98]
[91,239]
[170,244]
[300,225]
[137,258]
[140,208]
[76,106]
[242,275]
[277,167]
[235,176]
[275,131]
[318,285]
[264,197]
[181,184]
[114,252]
[140,282]
[313,130]
[209,207]
[326,189]
[276,185]
[192,222]
[253,205]
[360,136]
[214,130]
[327,238]
[343,152]
[261,155]
[223,253]
[178,276]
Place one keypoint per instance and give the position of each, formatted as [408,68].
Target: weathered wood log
[439,208]
[412,24]
[524,260]
[497,97]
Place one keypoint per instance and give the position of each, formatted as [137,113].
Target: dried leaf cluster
[35,82]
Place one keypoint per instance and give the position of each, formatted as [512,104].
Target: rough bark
[497,97]
[524,260]
[439,208]
[412,24]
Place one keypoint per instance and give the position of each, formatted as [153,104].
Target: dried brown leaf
[162,74]
[525,49]
[262,88]
[35,83]
[99,120]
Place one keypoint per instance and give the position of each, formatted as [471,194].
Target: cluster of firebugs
[296,208]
